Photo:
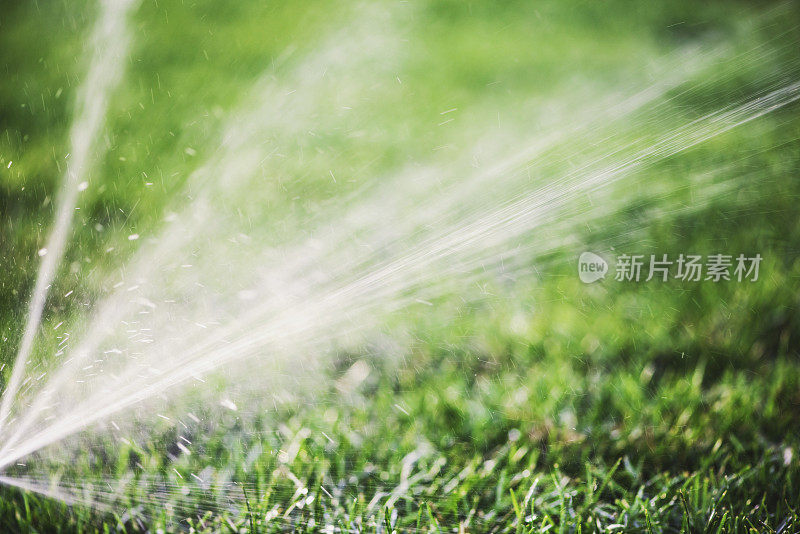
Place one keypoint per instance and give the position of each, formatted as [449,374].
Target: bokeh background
[531,404]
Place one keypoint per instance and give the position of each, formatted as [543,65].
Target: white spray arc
[109,47]
[175,318]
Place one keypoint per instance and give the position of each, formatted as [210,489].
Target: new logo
[591,267]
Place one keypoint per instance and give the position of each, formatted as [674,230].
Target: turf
[561,407]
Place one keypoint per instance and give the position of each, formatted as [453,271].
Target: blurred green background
[561,407]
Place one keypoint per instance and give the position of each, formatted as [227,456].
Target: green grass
[556,407]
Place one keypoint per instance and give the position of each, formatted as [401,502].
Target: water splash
[109,43]
[199,297]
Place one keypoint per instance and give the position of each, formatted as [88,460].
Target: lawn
[485,390]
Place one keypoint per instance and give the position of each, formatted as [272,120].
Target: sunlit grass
[548,405]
